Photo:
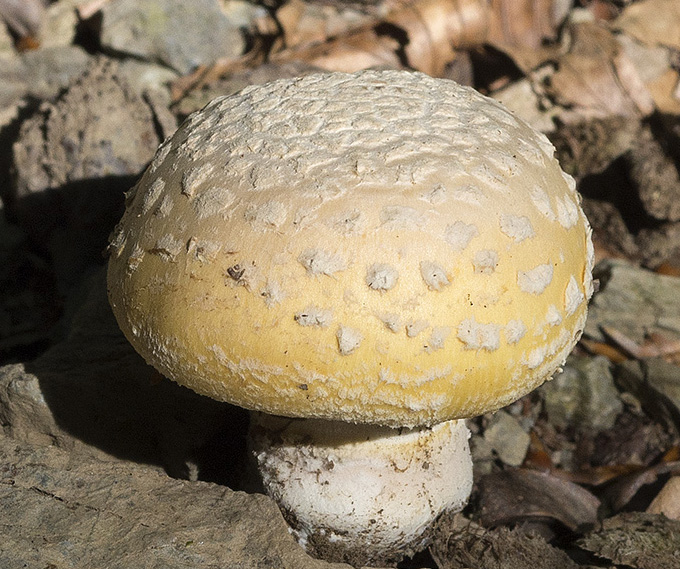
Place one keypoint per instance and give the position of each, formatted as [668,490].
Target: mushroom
[363,260]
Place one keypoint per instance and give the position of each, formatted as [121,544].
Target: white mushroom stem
[362,493]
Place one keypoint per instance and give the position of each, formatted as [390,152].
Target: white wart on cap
[381,247]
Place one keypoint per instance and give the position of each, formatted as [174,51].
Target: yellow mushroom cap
[380,247]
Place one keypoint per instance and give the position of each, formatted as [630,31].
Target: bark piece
[637,540]
[462,544]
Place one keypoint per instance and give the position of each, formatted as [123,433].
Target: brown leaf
[654,345]
[520,495]
[666,92]
[667,501]
[623,489]
[422,35]
[437,28]
[348,53]
[596,79]
[309,22]
[537,457]
[522,22]
[602,349]
[525,29]
[652,22]
[598,475]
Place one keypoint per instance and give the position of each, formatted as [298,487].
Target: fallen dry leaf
[520,495]
[655,344]
[422,35]
[306,22]
[667,501]
[623,489]
[526,30]
[348,53]
[537,456]
[652,22]
[595,78]
[613,354]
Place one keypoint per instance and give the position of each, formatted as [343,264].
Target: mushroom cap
[380,247]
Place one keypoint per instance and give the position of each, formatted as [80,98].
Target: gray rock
[6,42]
[664,378]
[656,176]
[89,437]
[52,68]
[23,17]
[92,395]
[633,301]
[483,457]
[583,395]
[506,436]
[144,77]
[59,23]
[74,159]
[181,35]
[39,73]
[63,510]
[656,384]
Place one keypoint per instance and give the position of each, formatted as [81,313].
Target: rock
[91,394]
[173,33]
[144,77]
[73,160]
[6,42]
[90,434]
[505,436]
[27,309]
[667,501]
[656,384]
[483,457]
[59,23]
[36,74]
[70,511]
[13,81]
[583,395]
[635,302]
[655,174]
[23,17]
[52,68]
[664,378]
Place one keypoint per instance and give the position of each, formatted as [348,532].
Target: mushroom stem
[362,494]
